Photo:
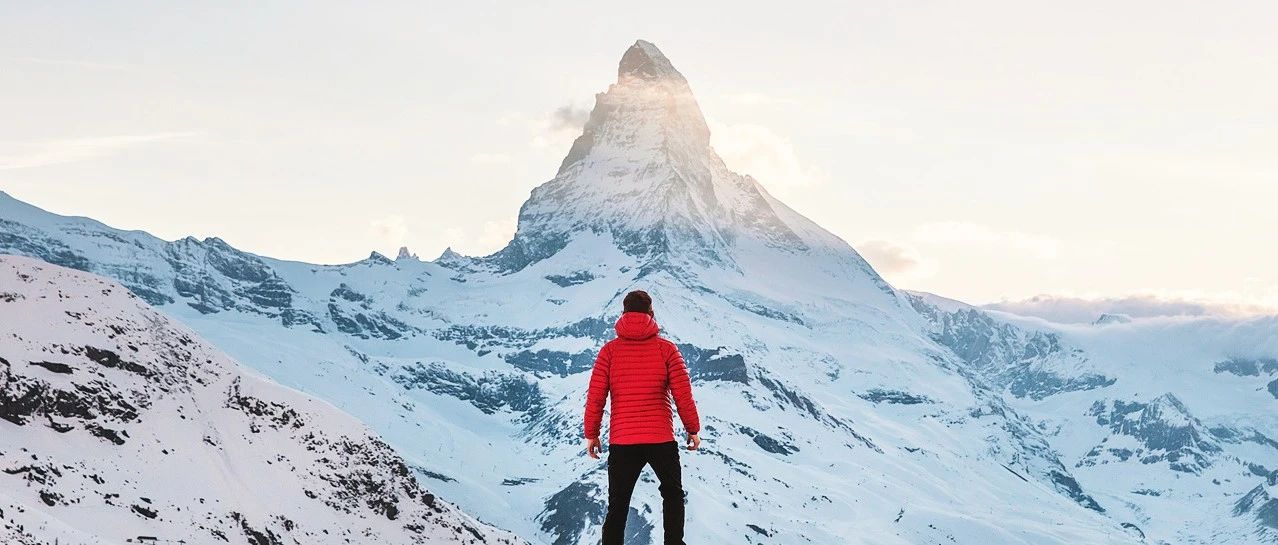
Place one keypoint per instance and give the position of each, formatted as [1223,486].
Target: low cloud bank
[1071,310]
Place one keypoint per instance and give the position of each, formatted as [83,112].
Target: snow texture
[120,424]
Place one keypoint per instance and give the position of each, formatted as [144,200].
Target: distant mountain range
[836,408]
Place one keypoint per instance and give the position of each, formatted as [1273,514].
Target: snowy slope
[841,424]
[1169,422]
[836,409]
[118,423]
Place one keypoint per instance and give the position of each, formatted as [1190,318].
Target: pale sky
[980,150]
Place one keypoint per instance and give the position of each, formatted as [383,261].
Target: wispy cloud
[492,237]
[569,117]
[391,231]
[922,253]
[550,132]
[394,231]
[16,155]
[769,157]
[950,233]
[895,260]
[1067,309]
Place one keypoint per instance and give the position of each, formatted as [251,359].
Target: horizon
[916,182]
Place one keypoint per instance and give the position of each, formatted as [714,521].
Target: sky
[985,151]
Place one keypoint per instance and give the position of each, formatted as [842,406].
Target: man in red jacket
[641,372]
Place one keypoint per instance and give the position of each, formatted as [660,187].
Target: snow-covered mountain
[119,424]
[836,409]
[1169,422]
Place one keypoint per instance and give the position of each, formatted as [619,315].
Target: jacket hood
[636,326]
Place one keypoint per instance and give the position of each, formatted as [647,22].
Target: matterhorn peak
[644,61]
[649,109]
[643,174]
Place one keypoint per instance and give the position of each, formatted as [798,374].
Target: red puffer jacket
[641,371]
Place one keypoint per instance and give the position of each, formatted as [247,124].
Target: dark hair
[637,301]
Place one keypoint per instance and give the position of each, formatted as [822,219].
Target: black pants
[625,462]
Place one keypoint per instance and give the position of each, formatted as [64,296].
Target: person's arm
[596,396]
[681,390]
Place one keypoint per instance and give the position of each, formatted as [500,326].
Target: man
[641,371]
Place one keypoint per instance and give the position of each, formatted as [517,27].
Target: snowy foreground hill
[118,423]
[836,408]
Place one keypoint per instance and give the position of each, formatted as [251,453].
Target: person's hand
[593,448]
[694,442]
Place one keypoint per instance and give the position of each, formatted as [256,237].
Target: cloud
[551,132]
[569,118]
[493,236]
[764,155]
[1068,310]
[16,155]
[918,258]
[951,233]
[391,231]
[888,257]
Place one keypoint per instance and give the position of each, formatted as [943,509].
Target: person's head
[637,301]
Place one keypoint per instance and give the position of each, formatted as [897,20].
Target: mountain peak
[643,173]
[649,109]
[1112,318]
[644,61]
